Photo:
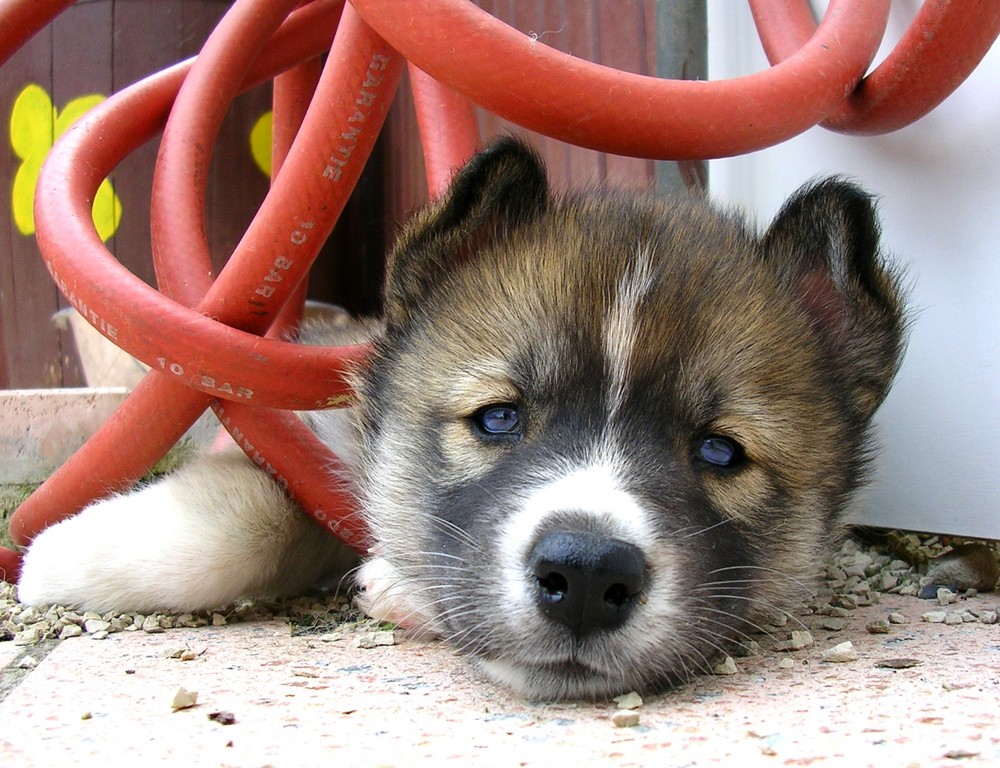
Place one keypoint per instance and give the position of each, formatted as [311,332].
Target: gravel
[898,563]
[856,575]
[313,614]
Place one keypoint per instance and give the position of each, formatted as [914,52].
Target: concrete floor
[310,701]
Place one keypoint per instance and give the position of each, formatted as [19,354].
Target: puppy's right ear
[498,190]
[825,244]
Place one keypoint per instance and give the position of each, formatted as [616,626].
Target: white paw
[74,562]
[384,596]
[198,539]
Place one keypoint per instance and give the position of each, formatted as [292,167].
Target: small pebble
[30,636]
[70,630]
[832,624]
[626,718]
[90,626]
[958,685]
[799,639]
[934,617]
[945,596]
[929,592]
[846,601]
[631,700]
[988,617]
[786,663]
[878,627]
[151,625]
[902,663]
[841,653]
[184,699]
[27,662]
[952,618]
[725,667]
[101,634]
[897,618]
[218,620]
[861,588]
[375,640]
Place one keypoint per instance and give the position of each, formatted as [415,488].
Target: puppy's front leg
[214,530]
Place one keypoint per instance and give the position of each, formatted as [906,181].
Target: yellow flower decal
[260,142]
[35,124]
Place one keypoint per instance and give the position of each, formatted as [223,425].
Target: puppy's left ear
[825,244]
[498,190]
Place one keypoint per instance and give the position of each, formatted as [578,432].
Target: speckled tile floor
[305,701]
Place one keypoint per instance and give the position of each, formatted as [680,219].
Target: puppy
[600,435]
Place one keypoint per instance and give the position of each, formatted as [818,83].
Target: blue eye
[498,420]
[720,451]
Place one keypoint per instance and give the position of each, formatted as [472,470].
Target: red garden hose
[20,21]
[449,133]
[940,48]
[594,106]
[298,213]
[217,340]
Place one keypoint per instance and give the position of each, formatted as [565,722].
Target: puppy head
[602,433]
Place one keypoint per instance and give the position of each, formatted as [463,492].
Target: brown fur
[501,293]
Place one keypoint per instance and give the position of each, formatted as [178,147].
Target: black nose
[585,581]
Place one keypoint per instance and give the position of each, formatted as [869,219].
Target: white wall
[939,184]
